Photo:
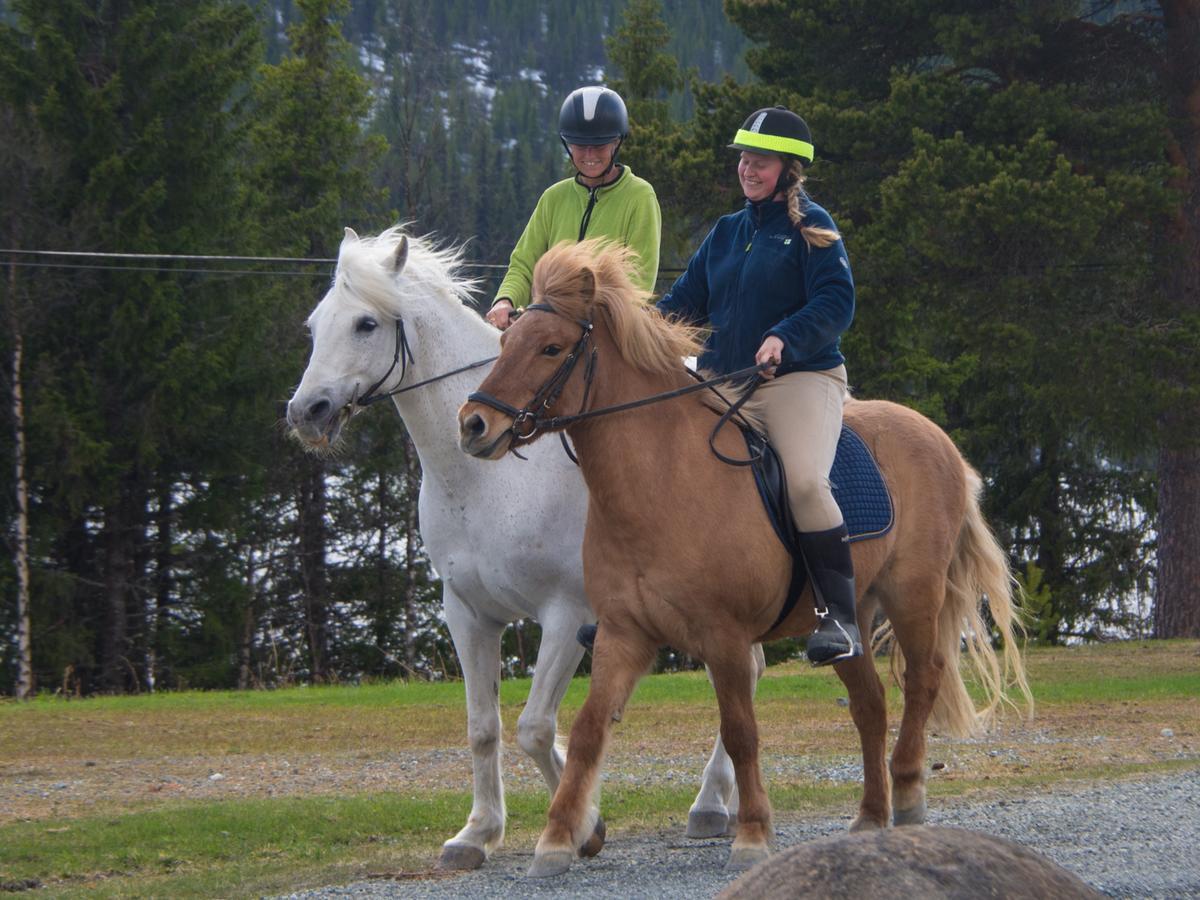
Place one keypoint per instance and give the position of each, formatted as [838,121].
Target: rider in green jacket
[604,199]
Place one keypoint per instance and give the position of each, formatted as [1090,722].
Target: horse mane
[579,279]
[365,268]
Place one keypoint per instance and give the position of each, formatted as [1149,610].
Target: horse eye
[551,350]
[365,325]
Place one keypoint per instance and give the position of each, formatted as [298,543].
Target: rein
[402,357]
[530,418]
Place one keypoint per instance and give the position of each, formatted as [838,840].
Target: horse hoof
[461,856]
[914,816]
[547,865]
[742,858]
[707,823]
[595,843]
[866,823]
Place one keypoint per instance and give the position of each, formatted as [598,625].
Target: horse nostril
[318,410]
[475,425]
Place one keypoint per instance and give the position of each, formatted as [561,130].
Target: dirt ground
[59,778]
[1061,743]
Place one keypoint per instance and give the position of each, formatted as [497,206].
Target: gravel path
[1133,838]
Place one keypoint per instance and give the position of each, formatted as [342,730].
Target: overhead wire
[195,257]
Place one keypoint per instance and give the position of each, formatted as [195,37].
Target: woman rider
[774,284]
[604,199]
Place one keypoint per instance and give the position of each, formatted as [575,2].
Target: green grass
[232,847]
[1134,686]
[250,847]
[676,687]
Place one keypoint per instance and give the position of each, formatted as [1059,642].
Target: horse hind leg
[715,807]
[868,709]
[916,629]
[709,816]
[537,729]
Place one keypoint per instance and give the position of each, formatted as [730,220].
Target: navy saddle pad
[858,488]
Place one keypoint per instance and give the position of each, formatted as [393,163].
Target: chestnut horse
[678,549]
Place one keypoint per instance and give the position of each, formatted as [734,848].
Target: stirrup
[817,651]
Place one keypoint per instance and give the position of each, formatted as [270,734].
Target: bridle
[530,419]
[402,357]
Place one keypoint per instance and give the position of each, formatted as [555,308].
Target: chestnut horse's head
[580,291]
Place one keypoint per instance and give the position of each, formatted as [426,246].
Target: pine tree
[124,364]
[646,75]
[1177,600]
[312,169]
[1000,175]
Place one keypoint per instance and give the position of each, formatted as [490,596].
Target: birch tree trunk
[412,484]
[24,687]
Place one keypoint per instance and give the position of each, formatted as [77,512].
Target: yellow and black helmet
[775,130]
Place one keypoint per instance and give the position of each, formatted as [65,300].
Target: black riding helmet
[780,132]
[591,116]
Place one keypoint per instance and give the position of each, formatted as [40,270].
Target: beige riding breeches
[801,414]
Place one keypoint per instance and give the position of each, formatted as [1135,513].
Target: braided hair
[814,235]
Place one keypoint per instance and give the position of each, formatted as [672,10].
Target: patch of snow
[536,77]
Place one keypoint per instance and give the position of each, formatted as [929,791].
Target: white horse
[505,537]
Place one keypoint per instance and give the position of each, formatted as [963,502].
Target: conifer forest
[1017,183]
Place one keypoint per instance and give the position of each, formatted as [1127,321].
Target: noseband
[530,419]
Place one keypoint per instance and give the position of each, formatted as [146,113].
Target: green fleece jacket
[626,211]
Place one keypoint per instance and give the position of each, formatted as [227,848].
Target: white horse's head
[359,347]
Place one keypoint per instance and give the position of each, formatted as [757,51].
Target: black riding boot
[827,554]
[586,636]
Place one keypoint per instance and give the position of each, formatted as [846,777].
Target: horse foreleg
[869,711]
[477,643]
[618,661]
[715,806]
[734,678]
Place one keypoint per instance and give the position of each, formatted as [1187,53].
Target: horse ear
[401,255]
[351,234]
[587,283]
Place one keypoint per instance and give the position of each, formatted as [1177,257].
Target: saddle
[858,489]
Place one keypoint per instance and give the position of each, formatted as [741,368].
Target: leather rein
[402,357]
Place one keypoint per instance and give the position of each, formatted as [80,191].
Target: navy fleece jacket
[755,275]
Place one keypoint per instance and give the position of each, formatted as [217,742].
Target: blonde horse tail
[979,573]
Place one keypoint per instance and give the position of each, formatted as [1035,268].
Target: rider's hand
[771,352]
[500,314]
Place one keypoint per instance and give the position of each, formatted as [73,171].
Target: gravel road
[1131,838]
